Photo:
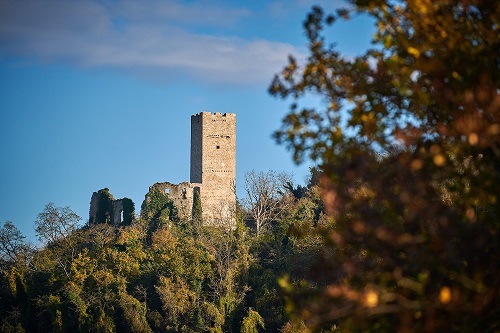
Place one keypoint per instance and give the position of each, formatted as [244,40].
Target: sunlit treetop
[433,71]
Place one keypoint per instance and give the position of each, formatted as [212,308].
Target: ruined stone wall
[105,211]
[181,194]
[116,212]
[94,205]
[213,162]
[212,171]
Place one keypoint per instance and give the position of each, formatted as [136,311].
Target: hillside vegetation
[396,231]
[160,273]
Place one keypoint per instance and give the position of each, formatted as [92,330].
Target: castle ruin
[212,173]
[106,209]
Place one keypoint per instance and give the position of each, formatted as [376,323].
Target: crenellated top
[217,114]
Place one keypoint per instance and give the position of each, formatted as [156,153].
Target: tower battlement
[220,114]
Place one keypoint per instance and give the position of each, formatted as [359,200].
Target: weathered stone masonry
[181,194]
[212,174]
[105,209]
[213,162]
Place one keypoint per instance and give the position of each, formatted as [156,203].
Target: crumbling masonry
[212,174]
[106,209]
[213,169]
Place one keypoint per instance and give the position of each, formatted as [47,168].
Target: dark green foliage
[197,210]
[128,211]
[196,222]
[158,209]
[298,191]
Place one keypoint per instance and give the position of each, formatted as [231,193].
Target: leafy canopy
[407,140]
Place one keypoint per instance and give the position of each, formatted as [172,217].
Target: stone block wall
[213,162]
[109,210]
[181,194]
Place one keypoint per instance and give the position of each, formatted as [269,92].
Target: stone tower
[213,163]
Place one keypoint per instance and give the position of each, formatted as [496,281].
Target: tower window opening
[218,147]
[167,191]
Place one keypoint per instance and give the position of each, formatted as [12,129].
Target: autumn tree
[55,223]
[12,242]
[406,138]
[266,196]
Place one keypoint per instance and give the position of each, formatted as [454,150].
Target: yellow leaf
[413,51]
[445,295]
[371,299]
[439,160]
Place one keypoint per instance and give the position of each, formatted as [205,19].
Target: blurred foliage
[395,231]
[407,139]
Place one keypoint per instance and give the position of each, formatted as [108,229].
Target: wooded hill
[400,235]
[161,273]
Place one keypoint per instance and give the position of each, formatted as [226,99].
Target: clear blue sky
[98,94]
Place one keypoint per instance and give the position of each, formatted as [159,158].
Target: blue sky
[98,94]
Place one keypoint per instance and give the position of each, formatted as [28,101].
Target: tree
[196,213]
[252,322]
[12,244]
[266,196]
[229,252]
[407,142]
[55,223]
[128,211]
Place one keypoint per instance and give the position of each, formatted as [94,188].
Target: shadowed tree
[12,244]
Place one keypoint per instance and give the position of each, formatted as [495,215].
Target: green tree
[197,210]
[288,248]
[407,142]
[252,322]
[228,284]
[128,211]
